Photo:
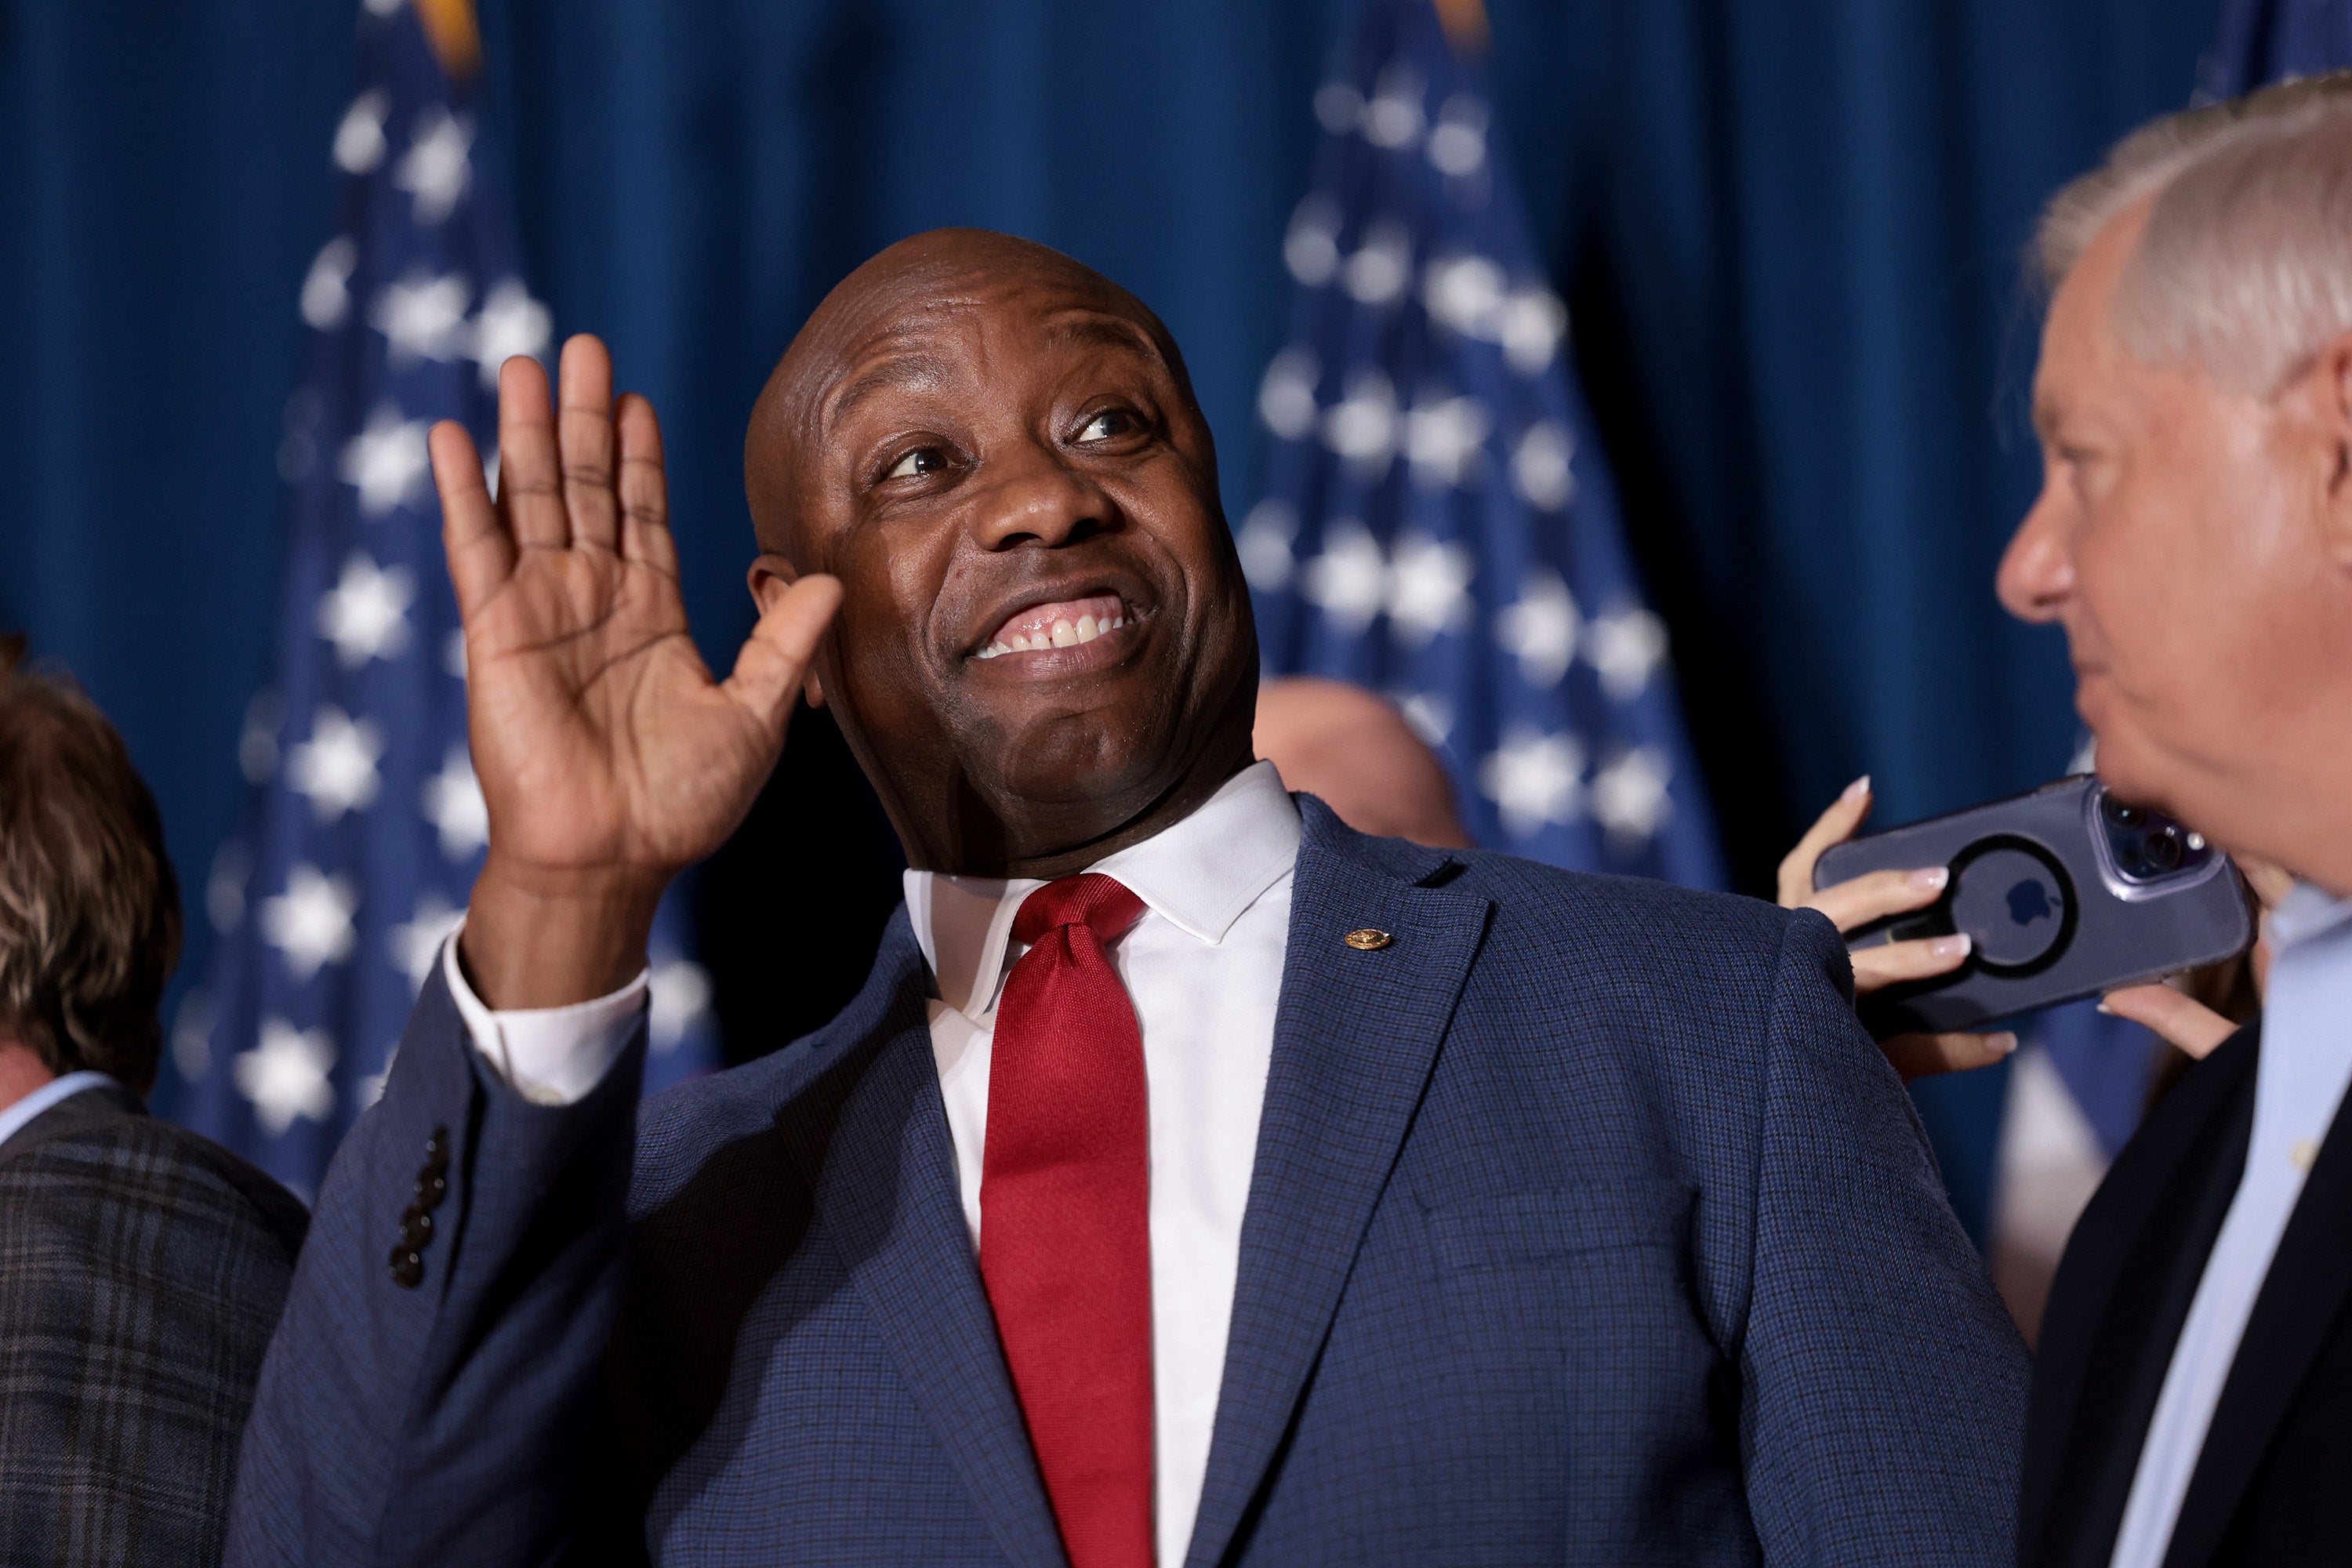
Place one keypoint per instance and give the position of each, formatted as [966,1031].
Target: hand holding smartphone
[2063,892]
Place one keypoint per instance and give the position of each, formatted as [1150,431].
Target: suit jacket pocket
[1519,1229]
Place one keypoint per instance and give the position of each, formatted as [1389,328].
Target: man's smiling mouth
[1064,623]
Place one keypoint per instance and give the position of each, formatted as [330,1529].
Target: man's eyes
[920,461]
[1109,425]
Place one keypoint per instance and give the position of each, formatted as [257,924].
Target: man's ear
[2330,390]
[771,575]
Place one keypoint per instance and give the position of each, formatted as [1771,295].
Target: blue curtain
[1788,231]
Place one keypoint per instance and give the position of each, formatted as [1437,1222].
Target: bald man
[1354,751]
[1194,1179]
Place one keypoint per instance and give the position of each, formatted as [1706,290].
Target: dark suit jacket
[2273,1485]
[141,1270]
[1586,1225]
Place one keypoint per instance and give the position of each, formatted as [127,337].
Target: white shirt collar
[2306,912]
[1200,874]
[14,1117]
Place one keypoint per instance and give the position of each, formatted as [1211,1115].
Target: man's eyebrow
[898,370]
[2046,418]
[1102,332]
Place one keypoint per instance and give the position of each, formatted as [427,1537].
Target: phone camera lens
[2162,851]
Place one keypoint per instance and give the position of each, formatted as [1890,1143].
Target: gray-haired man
[2192,1401]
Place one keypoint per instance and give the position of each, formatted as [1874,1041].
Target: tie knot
[1102,904]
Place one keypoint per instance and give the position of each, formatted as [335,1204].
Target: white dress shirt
[1203,967]
[2300,1077]
[64,1087]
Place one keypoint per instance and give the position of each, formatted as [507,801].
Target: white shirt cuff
[550,1056]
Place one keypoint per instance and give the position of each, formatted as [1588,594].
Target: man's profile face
[2173,540]
[1044,620]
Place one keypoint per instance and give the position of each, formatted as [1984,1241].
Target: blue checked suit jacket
[1586,1226]
[141,1267]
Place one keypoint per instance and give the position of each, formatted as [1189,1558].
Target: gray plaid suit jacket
[141,1270]
[1587,1227]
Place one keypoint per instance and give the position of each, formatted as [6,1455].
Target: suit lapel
[2117,1306]
[2299,1304]
[1355,1036]
[872,1139]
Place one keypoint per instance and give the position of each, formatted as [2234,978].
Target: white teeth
[1064,634]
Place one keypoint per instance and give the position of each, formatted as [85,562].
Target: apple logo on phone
[2028,901]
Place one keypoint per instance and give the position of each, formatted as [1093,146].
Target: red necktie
[1065,1216]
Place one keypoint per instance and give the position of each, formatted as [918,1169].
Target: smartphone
[2064,892]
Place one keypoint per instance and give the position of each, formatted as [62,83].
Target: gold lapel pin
[1367,940]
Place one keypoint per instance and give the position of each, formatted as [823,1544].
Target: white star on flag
[1393,118]
[286,1076]
[325,288]
[192,1037]
[1380,268]
[256,743]
[365,614]
[1442,439]
[454,805]
[423,317]
[1429,588]
[1539,628]
[359,138]
[511,323]
[1533,322]
[225,887]
[1458,145]
[1285,398]
[1429,713]
[311,922]
[1362,426]
[1264,545]
[1464,292]
[416,946]
[1629,795]
[434,170]
[1310,247]
[1533,779]
[1625,647]
[1541,467]
[1350,581]
[680,997]
[369,1088]
[336,766]
[386,461]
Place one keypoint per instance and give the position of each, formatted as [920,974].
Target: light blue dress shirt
[2299,1080]
[12,1118]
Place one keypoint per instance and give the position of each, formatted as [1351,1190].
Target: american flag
[1439,522]
[364,826]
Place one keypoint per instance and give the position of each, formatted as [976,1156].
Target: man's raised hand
[609,756]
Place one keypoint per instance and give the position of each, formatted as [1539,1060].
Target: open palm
[607,754]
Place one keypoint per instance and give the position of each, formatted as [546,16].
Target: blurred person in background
[141,1267]
[1353,751]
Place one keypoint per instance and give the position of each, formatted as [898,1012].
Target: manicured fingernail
[1857,789]
[1955,946]
[1931,879]
[2002,1043]
[2110,1012]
